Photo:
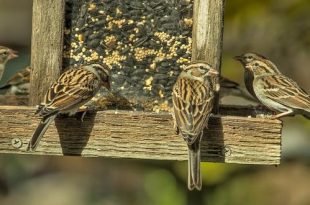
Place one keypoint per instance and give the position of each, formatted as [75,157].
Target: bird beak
[13,54]
[213,72]
[238,58]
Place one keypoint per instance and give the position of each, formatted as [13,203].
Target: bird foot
[175,127]
[80,116]
[176,130]
[273,117]
[276,117]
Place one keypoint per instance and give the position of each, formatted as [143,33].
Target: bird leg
[282,114]
[175,127]
[81,114]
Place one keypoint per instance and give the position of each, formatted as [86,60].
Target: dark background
[279,29]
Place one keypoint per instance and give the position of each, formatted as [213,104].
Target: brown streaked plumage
[276,91]
[193,95]
[282,94]
[73,89]
[18,84]
[246,59]
[21,77]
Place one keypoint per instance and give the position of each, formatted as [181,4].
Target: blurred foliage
[162,183]
[279,29]
[267,186]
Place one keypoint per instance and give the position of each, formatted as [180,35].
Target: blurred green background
[279,29]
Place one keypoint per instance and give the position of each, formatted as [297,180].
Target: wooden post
[208,24]
[46,46]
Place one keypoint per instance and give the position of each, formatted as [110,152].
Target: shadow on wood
[74,134]
[144,135]
[214,141]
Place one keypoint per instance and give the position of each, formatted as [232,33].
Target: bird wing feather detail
[22,76]
[192,106]
[74,87]
[285,91]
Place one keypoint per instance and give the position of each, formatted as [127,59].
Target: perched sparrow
[74,88]
[18,84]
[193,95]
[6,54]
[231,88]
[248,58]
[276,91]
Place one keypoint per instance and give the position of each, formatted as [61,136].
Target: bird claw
[176,130]
[80,116]
[175,127]
[276,117]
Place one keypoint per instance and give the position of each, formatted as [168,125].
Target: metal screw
[17,143]
[226,151]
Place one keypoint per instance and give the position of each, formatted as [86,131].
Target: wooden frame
[144,135]
[46,46]
[231,139]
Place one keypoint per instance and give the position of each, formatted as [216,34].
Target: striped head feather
[7,54]
[199,71]
[102,71]
[249,59]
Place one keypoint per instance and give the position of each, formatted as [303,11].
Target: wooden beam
[207,35]
[14,100]
[46,46]
[128,134]
[208,24]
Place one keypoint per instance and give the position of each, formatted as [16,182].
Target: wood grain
[208,24]
[207,35]
[14,100]
[46,46]
[141,135]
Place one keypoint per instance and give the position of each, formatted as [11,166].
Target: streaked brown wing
[286,92]
[22,76]
[192,105]
[72,88]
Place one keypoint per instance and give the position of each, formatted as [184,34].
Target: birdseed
[145,43]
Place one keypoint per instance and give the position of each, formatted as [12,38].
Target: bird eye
[250,57]
[5,53]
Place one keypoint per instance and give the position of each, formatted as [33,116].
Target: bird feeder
[145,43]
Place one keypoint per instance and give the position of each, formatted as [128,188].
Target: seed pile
[145,43]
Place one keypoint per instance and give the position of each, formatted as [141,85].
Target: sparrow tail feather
[194,175]
[39,132]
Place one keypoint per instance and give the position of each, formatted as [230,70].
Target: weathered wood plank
[208,24]
[46,46]
[127,134]
[207,35]
[14,100]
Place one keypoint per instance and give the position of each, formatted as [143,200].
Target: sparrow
[245,60]
[18,84]
[74,88]
[231,88]
[192,97]
[6,54]
[275,90]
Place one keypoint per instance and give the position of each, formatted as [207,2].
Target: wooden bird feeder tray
[234,135]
